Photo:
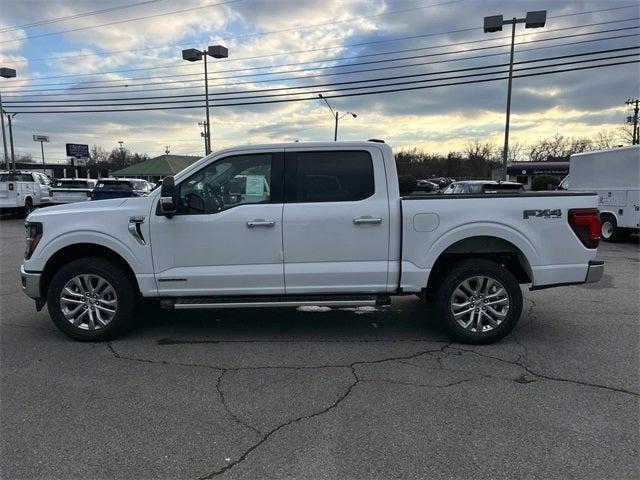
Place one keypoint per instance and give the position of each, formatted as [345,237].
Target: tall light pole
[5,73]
[494,23]
[194,55]
[336,116]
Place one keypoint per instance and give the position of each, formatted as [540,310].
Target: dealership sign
[77,150]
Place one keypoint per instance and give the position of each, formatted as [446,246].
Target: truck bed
[534,223]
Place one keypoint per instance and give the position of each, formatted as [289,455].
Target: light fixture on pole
[5,73]
[194,55]
[336,116]
[494,23]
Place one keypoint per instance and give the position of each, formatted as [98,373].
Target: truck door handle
[366,220]
[261,223]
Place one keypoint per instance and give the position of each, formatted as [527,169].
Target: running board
[275,301]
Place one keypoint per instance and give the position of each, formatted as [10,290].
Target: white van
[615,176]
[22,191]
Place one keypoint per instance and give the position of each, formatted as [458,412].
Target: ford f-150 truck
[305,224]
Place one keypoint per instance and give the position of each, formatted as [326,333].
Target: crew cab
[305,224]
[70,190]
[22,191]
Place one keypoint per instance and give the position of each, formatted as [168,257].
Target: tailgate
[69,195]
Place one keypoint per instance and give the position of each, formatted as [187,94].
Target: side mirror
[168,199]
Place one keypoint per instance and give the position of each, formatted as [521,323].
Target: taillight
[585,223]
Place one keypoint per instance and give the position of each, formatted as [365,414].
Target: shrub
[407,183]
[544,182]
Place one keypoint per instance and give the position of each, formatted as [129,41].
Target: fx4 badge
[557,213]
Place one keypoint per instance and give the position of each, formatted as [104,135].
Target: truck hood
[94,207]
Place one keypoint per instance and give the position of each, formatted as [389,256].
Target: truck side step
[185,303]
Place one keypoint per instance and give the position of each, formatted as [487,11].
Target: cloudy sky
[99,55]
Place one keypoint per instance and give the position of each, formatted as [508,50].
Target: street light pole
[494,23]
[194,55]
[337,117]
[5,73]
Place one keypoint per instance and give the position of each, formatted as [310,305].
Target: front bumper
[595,271]
[31,283]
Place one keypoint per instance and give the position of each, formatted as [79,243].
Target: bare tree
[558,148]
[605,139]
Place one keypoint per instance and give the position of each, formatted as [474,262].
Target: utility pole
[204,134]
[635,138]
[13,155]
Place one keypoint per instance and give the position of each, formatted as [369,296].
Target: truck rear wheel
[479,301]
[92,299]
[609,230]
[28,207]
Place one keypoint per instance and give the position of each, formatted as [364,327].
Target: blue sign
[77,150]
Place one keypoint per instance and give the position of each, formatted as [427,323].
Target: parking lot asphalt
[345,394]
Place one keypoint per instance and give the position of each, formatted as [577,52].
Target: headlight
[34,234]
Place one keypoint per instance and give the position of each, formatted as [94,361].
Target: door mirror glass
[168,197]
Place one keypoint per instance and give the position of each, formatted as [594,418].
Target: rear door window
[333,176]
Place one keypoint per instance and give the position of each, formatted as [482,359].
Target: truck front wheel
[479,301]
[92,299]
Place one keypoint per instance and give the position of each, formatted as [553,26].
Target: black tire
[125,289]
[609,230]
[28,207]
[464,270]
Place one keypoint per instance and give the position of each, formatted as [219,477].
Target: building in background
[525,172]
[157,168]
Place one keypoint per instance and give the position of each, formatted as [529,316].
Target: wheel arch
[82,250]
[490,247]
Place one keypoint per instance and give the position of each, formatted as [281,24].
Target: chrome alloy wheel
[88,302]
[479,304]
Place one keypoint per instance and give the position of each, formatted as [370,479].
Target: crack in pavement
[543,376]
[228,409]
[446,349]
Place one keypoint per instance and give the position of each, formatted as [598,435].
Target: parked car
[356,243]
[426,186]
[70,190]
[120,187]
[483,186]
[22,191]
[615,176]
[442,182]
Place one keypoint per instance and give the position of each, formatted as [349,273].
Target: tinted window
[333,176]
[226,183]
[119,184]
[71,184]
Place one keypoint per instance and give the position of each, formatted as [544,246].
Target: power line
[173,65]
[218,4]
[351,82]
[474,57]
[73,17]
[109,52]
[339,95]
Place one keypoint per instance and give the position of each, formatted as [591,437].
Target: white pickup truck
[22,191]
[305,224]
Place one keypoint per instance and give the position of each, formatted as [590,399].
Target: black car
[120,187]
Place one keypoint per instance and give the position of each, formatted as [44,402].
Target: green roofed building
[156,168]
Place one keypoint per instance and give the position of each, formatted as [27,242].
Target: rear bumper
[31,283]
[595,271]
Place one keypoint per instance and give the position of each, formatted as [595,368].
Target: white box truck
[615,176]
